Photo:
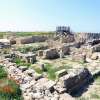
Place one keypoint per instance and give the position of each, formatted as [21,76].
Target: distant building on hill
[63,30]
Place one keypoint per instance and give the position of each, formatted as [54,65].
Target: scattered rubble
[43,88]
[79,57]
[94,56]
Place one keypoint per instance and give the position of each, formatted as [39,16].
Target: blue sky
[45,15]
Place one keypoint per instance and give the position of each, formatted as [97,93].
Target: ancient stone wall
[31,39]
[83,37]
[75,83]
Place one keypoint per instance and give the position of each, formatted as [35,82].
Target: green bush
[50,71]
[20,62]
[2,34]
[31,48]
[38,70]
[3,73]
[10,90]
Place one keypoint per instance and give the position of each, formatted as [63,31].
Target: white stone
[65,96]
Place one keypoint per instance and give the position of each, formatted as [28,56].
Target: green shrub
[38,70]
[20,62]
[50,71]
[95,96]
[10,90]
[3,73]
[2,34]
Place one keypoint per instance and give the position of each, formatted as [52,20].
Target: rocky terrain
[35,87]
[55,69]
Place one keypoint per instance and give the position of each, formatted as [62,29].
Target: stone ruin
[58,49]
[86,37]
[94,42]
[56,52]
[96,48]
[73,82]
[28,58]
[65,36]
[44,89]
[50,54]
[38,86]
